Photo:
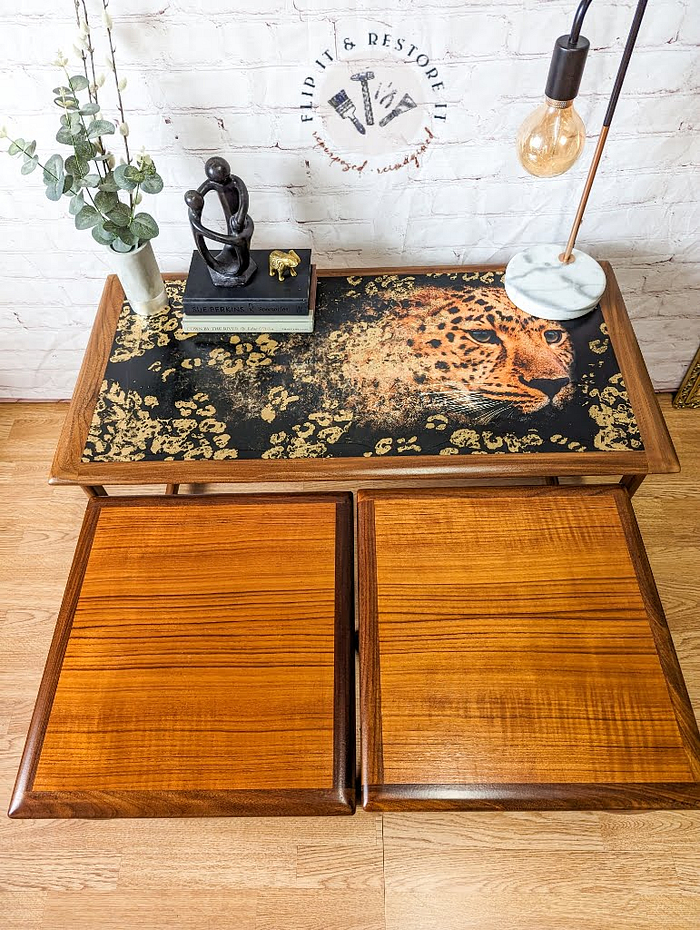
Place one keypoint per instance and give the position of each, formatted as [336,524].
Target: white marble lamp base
[538,283]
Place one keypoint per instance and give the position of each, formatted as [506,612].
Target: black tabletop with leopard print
[398,365]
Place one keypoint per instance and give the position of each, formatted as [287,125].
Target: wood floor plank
[460,869]
[174,910]
[22,910]
[658,833]
[307,909]
[329,867]
[24,871]
[535,830]
[513,909]
[243,866]
[220,836]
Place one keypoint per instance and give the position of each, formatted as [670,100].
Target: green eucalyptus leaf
[126,235]
[62,92]
[67,103]
[106,200]
[68,184]
[120,215]
[77,202]
[144,226]
[53,171]
[89,109]
[30,164]
[54,191]
[109,183]
[77,166]
[30,149]
[84,150]
[133,174]
[101,235]
[122,180]
[64,136]
[120,246]
[16,147]
[111,227]
[100,127]
[152,184]
[91,180]
[87,217]
[78,83]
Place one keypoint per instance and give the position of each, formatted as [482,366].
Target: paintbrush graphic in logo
[345,109]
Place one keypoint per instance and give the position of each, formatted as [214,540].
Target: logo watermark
[376,106]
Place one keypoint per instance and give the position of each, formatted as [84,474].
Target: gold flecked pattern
[430,364]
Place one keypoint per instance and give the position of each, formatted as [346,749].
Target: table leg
[632,483]
[94,490]
[172,488]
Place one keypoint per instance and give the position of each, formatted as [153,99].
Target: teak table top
[519,657]
[202,663]
[363,401]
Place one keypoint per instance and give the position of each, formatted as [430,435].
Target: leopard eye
[483,336]
[553,336]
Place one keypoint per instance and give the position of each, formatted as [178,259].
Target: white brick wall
[224,76]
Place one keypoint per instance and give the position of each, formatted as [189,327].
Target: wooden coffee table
[523,661]
[399,386]
[202,663]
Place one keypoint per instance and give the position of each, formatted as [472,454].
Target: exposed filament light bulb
[551,138]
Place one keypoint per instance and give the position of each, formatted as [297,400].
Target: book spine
[209,309]
[240,326]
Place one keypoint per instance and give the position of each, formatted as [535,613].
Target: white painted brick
[605,26]
[183,43]
[680,341]
[32,292]
[224,8]
[670,277]
[145,8]
[199,89]
[222,131]
[439,231]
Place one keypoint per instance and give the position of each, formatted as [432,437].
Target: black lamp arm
[566,255]
[579,15]
[625,60]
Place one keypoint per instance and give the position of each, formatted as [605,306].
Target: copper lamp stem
[566,255]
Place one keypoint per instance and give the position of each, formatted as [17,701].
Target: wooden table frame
[658,455]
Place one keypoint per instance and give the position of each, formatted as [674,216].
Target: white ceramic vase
[141,279]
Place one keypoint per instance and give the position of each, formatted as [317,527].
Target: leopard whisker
[482,409]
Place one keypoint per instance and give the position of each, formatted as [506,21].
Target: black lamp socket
[566,69]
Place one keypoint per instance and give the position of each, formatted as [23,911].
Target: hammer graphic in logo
[364,77]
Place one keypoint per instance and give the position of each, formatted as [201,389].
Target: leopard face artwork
[399,364]
[469,353]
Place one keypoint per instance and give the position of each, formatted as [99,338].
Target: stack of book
[264,305]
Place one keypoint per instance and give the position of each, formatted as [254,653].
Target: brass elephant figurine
[283,261]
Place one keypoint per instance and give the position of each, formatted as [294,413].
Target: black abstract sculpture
[232,266]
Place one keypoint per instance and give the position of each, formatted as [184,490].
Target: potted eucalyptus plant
[104,195]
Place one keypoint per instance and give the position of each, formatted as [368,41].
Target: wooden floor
[397,871]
